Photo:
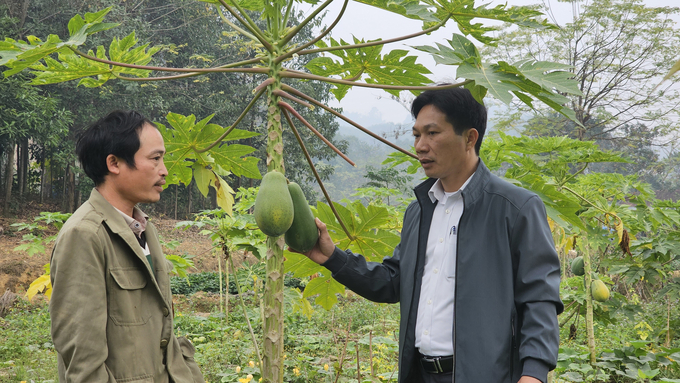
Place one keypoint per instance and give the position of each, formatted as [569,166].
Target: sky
[368,22]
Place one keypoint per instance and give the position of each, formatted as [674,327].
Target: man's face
[145,181]
[441,152]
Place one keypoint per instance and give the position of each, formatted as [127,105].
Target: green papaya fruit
[599,290]
[303,233]
[273,205]
[577,266]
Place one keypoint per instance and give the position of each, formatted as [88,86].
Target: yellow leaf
[41,283]
[619,230]
[224,194]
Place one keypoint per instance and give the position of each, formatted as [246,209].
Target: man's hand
[324,246]
[528,379]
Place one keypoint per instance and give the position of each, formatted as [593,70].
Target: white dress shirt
[434,324]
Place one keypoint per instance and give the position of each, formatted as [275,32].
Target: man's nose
[163,170]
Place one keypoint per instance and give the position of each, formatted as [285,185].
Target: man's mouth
[424,161]
[160,183]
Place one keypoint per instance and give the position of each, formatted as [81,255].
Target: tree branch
[308,76]
[297,115]
[316,174]
[310,43]
[248,24]
[374,43]
[296,92]
[283,94]
[303,23]
[187,75]
[162,69]
[236,27]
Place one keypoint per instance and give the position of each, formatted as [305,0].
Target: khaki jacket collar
[116,223]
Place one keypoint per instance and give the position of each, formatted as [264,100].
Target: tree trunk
[20,168]
[189,197]
[71,195]
[9,178]
[43,178]
[64,187]
[273,369]
[24,166]
[175,212]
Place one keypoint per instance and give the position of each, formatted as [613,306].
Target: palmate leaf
[71,66]
[19,55]
[365,224]
[464,11]
[413,9]
[326,287]
[394,68]
[526,80]
[186,137]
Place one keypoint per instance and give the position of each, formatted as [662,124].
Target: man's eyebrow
[158,151]
[427,127]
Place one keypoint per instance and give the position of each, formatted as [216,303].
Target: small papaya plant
[359,63]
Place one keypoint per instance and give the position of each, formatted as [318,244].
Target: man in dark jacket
[476,272]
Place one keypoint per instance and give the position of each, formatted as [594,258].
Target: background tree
[617,50]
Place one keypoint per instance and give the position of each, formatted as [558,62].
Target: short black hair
[460,107]
[117,134]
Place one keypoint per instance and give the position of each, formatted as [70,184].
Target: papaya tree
[197,149]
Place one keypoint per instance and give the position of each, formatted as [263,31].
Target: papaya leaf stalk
[318,134]
[316,174]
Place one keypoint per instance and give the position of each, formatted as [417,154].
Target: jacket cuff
[536,369]
[336,261]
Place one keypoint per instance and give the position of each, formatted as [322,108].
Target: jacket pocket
[138,379]
[188,351]
[127,298]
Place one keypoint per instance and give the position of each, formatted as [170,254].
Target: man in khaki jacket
[111,305]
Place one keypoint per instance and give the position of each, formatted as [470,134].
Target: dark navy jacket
[507,282]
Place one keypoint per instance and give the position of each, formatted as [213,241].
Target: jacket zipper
[455,292]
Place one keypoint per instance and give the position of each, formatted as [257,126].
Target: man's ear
[113,164]
[471,138]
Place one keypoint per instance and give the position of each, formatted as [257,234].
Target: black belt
[436,364]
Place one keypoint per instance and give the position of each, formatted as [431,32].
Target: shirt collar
[137,222]
[437,193]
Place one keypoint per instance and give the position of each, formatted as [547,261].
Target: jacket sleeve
[78,305]
[378,282]
[537,289]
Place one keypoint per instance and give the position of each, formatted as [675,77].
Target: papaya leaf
[527,80]
[41,284]
[71,66]
[464,11]
[225,198]
[19,55]
[394,68]
[203,177]
[188,136]
[300,265]
[367,225]
[413,9]
[326,287]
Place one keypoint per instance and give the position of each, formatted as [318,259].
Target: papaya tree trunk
[590,331]
[9,177]
[272,360]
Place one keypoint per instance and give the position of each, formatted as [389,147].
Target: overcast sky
[367,22]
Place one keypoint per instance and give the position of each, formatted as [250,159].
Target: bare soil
[18,269]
